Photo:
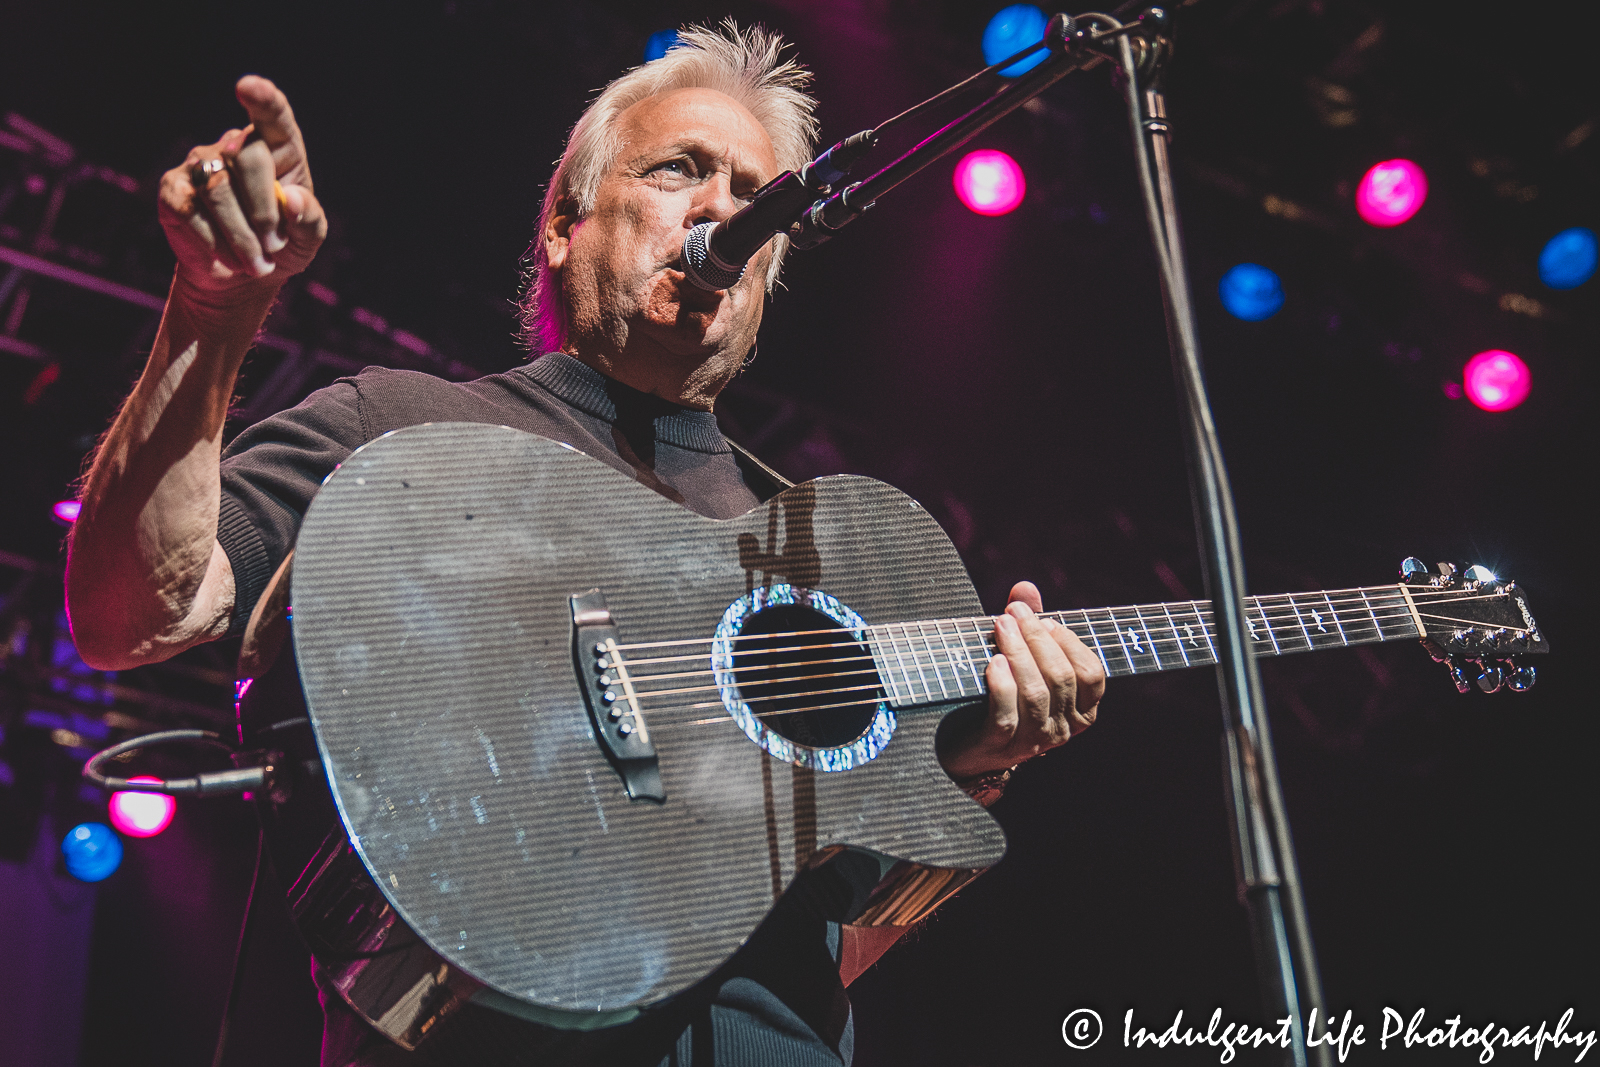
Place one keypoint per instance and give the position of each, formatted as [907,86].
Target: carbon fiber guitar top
[435,637]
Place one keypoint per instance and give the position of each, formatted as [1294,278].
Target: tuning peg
[1491,677]
[1459,675]
[1447,574]
[1413,571]
[1521,678]
[1482,575]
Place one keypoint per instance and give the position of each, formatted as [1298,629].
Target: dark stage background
[1010,372]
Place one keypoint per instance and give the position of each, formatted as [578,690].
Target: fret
[978,679]
[1315,625]
[1376,625]
[1094,638]
[916,661]
[1300,621]
[1173,626]
[1336,620]
[1150,640]
[1255,632]
[1397,622]
[949,664]
[1356,620]
[1209,655]
[1110,622]
[904,683]
[1135,646]
[944,690]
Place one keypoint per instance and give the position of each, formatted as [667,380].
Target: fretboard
[944,659]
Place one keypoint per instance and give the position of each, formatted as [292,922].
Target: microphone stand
[1264,860]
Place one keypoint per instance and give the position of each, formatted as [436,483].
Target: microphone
[715,253]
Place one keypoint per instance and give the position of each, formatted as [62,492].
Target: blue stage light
[92,851]
[659,42]
[1568,258]
[1009,32]
[1251,292]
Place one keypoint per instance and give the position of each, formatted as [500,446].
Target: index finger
[269,111]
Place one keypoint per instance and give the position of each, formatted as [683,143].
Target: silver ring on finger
[201,173]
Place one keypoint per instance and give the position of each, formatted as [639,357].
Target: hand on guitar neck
[1044,686]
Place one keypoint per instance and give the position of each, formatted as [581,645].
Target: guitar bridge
[619,724]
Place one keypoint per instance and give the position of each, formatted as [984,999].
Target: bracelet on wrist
[986,788]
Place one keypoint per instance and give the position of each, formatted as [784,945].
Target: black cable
[216,783]
[239,953]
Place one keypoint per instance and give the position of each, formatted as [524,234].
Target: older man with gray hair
[178,537]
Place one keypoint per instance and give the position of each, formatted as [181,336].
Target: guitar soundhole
[805,676]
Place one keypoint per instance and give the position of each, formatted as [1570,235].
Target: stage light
[92,851]
[1010,31]
[990,182]
[658,43]
[1391,192]
[1568,259]
[66,511]
[141,814]
[1251,292]
[1495,380]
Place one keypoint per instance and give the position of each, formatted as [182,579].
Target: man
[173,547]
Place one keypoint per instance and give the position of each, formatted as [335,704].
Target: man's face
[687,156]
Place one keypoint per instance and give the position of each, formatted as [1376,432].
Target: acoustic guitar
[574,740]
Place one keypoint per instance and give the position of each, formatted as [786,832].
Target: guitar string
[759,682]
[1284,606]
[1284,623]
[939,632]
[1276,623]
[932,662]
[918,664]
[933,651]
[1255,601]
[938,656]
[881,698]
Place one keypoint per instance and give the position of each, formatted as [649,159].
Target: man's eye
[672,166]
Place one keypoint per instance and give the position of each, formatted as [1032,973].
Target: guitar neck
[944,659]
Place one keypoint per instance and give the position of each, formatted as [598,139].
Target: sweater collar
[581,386]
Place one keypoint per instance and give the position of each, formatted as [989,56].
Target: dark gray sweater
[778,1002]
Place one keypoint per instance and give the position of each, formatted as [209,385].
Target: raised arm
[146,577]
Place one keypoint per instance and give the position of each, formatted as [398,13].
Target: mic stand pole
[1264,860]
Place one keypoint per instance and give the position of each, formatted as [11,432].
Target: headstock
[1475,623]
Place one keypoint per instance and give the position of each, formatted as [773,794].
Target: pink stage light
[990,182]
[141,814]
[67,510]
[1496,380]
[1391,192]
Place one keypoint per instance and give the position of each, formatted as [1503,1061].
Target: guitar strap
[765,482]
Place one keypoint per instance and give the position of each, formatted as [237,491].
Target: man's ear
[558,233]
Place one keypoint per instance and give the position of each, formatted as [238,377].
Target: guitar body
[434,631]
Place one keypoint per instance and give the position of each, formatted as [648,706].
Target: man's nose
[714,200]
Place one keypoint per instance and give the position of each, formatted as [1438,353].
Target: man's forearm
[145,577]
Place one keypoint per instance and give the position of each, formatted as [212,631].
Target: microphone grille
[700,267]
